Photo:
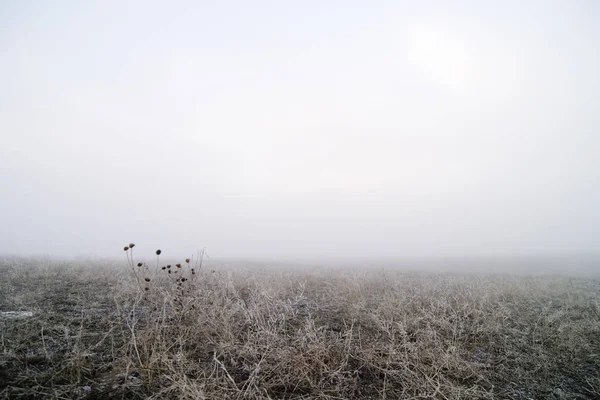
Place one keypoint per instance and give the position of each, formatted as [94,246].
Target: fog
[306,130]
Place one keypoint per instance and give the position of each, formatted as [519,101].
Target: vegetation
[185,330]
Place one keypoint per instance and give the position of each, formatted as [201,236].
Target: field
[109,330]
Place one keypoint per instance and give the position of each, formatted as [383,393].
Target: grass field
[101,330]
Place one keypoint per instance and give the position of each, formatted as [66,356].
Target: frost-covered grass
[272,333]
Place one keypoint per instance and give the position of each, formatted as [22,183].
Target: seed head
[169,266]
[131,245]
[178,265]
[163,268]
[146,288]
[126,248]
[187,260]
[158,252]
[140,264]
[147,279]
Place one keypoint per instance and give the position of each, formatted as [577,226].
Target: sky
[300,129]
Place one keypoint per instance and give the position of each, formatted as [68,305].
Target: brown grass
[258,333]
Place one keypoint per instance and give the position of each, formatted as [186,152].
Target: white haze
[300,129]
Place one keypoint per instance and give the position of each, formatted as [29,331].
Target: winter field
[104,330]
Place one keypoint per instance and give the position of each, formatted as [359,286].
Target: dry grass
[240,333]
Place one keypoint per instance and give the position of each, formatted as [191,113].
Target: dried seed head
[169,266]
[147,279]
[178,265]
[187,260]
[131,245]
[158,252]
[146,288]
[169,271]
[126,248]
[140,264]
[163,268]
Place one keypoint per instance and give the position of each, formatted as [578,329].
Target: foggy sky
[293,129]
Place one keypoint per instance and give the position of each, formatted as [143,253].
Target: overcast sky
[300,129]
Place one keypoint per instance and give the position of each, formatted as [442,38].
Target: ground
[291,333]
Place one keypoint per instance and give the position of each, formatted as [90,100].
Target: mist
[307,130]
